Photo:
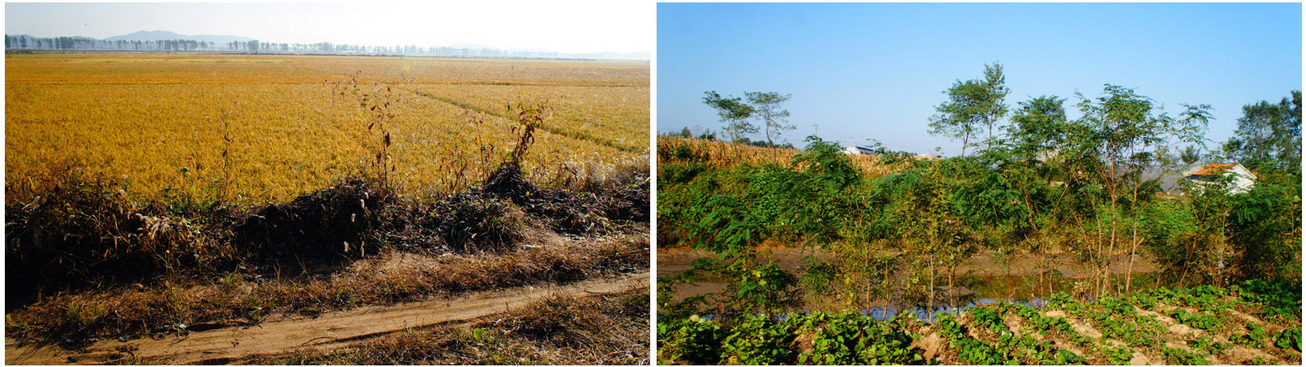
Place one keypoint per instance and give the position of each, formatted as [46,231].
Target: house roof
[1219,168]
[1213,169]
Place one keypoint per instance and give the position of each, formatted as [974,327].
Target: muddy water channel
[987,279]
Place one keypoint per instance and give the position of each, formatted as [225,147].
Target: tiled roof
[1213,169]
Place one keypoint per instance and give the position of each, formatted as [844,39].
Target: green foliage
[766,288]
[1269,135]
[733,112]
[1170,232]
[1085,188]
[1279,297]
[1119,355]
[1267,224]
[766,106]
[971,103]
[692,340]
[1116,318]
[1200,321]
[1255,336]
[759,339]
[970,349]
[1037,128]
[736,113]
[1289,338]
[675,174]
[1208,345]
[982,337]
[851,339]
[1183,357]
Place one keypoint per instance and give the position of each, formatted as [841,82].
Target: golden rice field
[157,121]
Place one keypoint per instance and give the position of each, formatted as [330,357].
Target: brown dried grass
[241,298]
[724,154]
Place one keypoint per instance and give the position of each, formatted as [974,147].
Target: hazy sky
[565,26]
[877,70]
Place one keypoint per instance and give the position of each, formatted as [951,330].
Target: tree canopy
[972,103]
[736,114]
[1269,135]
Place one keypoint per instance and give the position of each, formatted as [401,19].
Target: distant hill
[165,35]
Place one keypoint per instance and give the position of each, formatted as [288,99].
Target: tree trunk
[887,298]
[952,288]
[965,141]
[989,142]
[930,302]
[866,297]
[1133,251]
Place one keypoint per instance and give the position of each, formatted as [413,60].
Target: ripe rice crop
[612,116]
[157,121]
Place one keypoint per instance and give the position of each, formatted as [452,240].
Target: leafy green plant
[852,339]
[1180,356]
[970,349]
[1289,338]
[1119,355]
[692,340]
[759,339]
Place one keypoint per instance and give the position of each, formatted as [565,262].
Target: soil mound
[337,222]
[508,182]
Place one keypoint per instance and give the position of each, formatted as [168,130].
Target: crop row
[1111,330]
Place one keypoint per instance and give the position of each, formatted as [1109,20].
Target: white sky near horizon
[569,26]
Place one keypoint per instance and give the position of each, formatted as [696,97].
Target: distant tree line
[23,42]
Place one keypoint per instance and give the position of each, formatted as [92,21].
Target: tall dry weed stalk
[529,115]
[377,105]
[224,122]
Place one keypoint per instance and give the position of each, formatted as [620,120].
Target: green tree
[1037,128]
[766,106]
[1190,155]
[972,103]
[1269,135]
[1123,130]
[734,113]
[1265,227]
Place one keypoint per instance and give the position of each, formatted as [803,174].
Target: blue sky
[555,25]
[865,71]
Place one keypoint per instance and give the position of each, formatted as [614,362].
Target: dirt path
[223,345]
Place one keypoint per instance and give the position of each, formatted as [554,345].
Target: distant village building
[1242,179]
[1172,182]
[860,150]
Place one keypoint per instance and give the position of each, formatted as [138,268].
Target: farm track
[329,330]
